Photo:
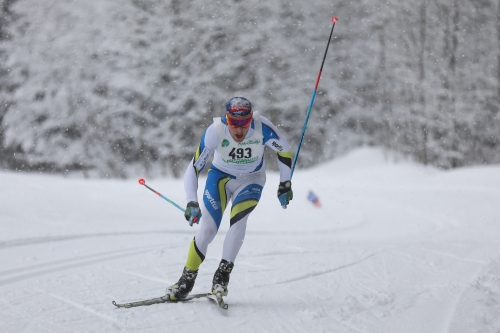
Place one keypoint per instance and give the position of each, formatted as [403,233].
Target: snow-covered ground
[396,247]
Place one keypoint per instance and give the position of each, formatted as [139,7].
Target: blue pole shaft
[334,20]
[164,197]
[303,132]
[173,203]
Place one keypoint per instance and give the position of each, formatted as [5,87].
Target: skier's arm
[205,149]
[276,141]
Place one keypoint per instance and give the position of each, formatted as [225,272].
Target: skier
[237,172]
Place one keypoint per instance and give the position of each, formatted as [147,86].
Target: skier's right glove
[192,213]
[285,193]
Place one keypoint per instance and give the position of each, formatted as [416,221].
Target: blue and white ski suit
[237,173]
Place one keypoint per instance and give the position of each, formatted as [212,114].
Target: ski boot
[221,278]
[184,286]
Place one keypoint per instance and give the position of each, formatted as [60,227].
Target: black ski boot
[221,278]
[184,286]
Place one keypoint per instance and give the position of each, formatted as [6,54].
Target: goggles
[244,121]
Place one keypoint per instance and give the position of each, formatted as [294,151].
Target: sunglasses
[238,122]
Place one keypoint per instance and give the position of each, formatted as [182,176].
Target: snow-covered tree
[117,88]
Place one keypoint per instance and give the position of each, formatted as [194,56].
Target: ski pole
[334,20]
[143,182]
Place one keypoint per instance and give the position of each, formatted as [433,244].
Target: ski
[217,298]
[159,300]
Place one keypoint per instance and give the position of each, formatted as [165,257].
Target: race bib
[246,152]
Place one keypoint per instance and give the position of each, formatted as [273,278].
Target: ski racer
[237,173]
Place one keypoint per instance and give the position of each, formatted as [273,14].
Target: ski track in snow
[67,264]
[64,261]
[83,307]
[51,239]
[309,275]
[395,248]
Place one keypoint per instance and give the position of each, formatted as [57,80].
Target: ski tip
[114,303]
[142,181]
[334,19]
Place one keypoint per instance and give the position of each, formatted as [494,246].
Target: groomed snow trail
[396,247]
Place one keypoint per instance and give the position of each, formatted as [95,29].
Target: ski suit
[237,173]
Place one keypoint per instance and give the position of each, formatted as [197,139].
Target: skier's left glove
[285,193]
[192,213]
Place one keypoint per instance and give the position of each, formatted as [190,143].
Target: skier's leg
[212,207]
[245,199]
[199,245]
[234,239]
[215,199]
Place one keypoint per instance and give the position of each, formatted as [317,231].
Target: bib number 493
[241,153]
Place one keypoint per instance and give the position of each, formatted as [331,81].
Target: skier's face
[238,133]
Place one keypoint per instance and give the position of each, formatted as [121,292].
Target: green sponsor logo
[249,142]
[242,160]
[225,143]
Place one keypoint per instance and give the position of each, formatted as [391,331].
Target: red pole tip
[142,181]
[335,19]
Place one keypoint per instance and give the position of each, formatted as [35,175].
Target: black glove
[285,193]
[192,213]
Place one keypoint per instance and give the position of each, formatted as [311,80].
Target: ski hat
[239,112]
